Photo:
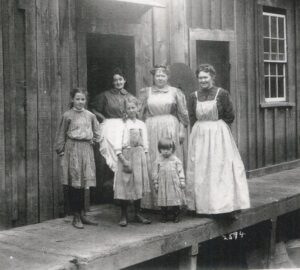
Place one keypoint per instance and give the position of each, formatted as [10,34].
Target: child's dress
[133,144]
[76,133]
[168,172]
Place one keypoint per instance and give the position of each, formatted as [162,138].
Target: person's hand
[61,154]
[181,137]
[182,185]
[156,187]
[127,166]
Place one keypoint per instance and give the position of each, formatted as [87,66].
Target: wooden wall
[30,93]
[266,135]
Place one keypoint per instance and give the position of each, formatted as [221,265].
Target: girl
[131,178]
[169,180]
[77,131]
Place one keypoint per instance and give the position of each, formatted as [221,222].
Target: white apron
[216,178]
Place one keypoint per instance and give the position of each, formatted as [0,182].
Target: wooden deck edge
[137,253]
[273,168]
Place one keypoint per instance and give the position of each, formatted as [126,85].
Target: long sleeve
[225,107]
[96,129]
[192,109]
[182,112]
[61,134]
[99,103]
[143,95]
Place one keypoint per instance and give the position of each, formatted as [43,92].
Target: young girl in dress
[77,132]
[131,178]
[169,180]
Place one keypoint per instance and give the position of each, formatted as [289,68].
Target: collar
[155,89]
[116,91]
[76,110]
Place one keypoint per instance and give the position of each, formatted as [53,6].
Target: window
[275,56]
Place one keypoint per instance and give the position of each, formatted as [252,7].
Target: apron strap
[217,94]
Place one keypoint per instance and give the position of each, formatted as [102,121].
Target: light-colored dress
[77,131]
[133,143]
[162,110]
[168,174]
[216,178]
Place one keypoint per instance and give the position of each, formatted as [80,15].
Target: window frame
[277,62]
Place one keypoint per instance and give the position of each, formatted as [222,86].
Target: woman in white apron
[216,178]
[164,110]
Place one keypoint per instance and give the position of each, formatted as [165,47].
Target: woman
[109,107]
[216,179]
[165,112]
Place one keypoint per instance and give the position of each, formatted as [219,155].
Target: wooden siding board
[20,99]
[228,14]
[297,37]
[44,111]
[73,44]
[196,13]
[280,135]
[206,14]
[178,32]
[251,93]
[55,88]
[241,94]
[31,116]
[161,41]
[3,212]
[268,136]
[215,19]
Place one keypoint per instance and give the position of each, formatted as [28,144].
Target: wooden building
[49,46]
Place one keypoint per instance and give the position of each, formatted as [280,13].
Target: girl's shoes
[77,222]
[139,218]
[86,221]
[123,222]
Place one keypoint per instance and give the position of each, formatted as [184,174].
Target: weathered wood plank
[31,116]
[205,14]
[196,13]
[227,16]
[269,136]
[20,98]
[55,88]
[241,95]
[251,94]
[188,258]
[44,111]
[160,36]
[178,32]
[297,70]
[215,19]
[279,135]
[3,210]
[73,43]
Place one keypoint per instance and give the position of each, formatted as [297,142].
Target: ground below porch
[55,244]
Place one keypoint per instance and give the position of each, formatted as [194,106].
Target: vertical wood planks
[3,210]
[251,90]
[55,88]
[216,17]
[241,93]
[297,37]
[31,116]
[161,41]
[178,32]
[228,14]
[206,14]
[44,111]
[73,43]
[20,99]
[196,13]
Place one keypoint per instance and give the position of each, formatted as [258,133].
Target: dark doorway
[104,54]
[215,53]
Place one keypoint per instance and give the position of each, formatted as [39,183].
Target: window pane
[281,46]
[280,87]
[281,56]
[266,69]
[273,27]
[273,87]
[267,87]
[280,69]
[266,45]
[280,27]
[274,45]
[273,69]
[266,26]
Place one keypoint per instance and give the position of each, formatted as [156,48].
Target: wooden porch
[57,245]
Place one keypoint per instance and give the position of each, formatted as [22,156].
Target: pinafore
[216,179]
